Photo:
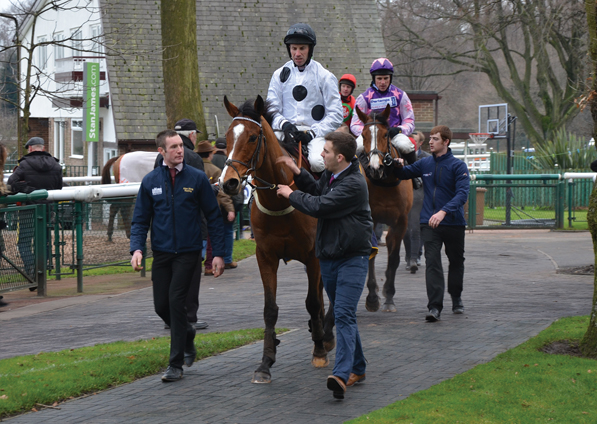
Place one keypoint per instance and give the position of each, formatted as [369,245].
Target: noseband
[387,159]
[252,165]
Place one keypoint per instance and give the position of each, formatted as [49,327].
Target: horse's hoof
[372,305]
[261,378]
[329,345]
[320,362]
[388,307]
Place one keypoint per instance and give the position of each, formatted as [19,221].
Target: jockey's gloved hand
[215,188]
[289,130]
[303,136]
[394,131]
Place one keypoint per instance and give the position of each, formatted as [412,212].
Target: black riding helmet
[301,34]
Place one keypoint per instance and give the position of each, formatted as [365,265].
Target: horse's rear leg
[268,268]
[372,301]
[314,303]
[393,240]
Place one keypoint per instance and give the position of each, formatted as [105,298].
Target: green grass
[498,215]
[50,377]
[521,385]
[242,249]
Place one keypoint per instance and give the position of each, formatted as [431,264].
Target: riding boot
[417,183]
[410,157]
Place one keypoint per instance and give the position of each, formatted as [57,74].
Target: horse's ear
[362,116]
[386,112]
[259,105]
[232,110]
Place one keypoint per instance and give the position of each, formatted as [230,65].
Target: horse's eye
[252,139]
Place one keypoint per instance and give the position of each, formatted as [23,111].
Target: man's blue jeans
[228,240]
[344,280]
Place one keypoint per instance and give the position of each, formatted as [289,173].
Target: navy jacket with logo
[174,215]
[446,183]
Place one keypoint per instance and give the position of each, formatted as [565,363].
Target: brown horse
[281,233]
[390,201]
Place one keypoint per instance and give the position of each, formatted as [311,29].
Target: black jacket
[40,170]
[344,224]
[191,158]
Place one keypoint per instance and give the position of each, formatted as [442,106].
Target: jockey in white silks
[304,96]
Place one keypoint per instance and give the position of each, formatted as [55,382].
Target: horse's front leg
[393,240]
[268,268]
[372,301]
[314,303]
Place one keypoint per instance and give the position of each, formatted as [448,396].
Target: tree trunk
[588,344]
[181,64]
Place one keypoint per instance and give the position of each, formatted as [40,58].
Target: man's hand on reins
[286,160]
[284,191]
[398,162]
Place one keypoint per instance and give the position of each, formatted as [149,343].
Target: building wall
[424,111]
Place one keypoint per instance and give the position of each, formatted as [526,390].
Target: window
[77,139]
[59,127]
[42,52]
[58,48]
[109,154]
[76,42]
[96,42]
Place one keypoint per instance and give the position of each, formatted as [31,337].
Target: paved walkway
[512,292]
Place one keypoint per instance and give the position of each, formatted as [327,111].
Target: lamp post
[18,79]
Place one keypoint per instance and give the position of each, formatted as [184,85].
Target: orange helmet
[348,79]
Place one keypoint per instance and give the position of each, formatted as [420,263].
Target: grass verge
[522,385]
[49,377]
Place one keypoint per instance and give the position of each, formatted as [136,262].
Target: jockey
[347,84]
[304,96]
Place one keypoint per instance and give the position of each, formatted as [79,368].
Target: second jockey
[347,84]
[304,96]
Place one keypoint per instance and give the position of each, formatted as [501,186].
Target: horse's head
[376,154]
[245,142]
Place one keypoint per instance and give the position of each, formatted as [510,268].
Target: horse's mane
[378,117]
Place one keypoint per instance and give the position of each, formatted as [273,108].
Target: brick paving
[512,292]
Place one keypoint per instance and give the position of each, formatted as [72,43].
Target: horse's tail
[106,171]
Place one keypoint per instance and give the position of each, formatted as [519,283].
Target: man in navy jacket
[446,183]
[170,200]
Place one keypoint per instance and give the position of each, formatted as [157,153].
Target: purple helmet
[381,66]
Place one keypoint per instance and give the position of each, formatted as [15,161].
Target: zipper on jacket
[171,204]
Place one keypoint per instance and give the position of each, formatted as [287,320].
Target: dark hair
[444,132]
[204,155]
[160,139]
[342,143]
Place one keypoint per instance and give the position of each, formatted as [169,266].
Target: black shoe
[190,356]
[457,306]
[166,327]
[172,374]
[190,351]
[433,315]
[200,325]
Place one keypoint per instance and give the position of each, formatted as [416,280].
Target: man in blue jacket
[170,200]
[340,202]
[446,183]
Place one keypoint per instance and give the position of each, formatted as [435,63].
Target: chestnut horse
[389,198]
[281,233]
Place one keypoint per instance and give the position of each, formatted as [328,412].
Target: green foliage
[50,377]
[522,385]
[566,151]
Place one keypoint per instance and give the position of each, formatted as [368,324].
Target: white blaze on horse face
[374,161]
[237,131]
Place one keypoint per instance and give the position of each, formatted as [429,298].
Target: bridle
[387,158]
[253,163]
[387,155]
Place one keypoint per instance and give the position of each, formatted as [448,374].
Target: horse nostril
[231,186]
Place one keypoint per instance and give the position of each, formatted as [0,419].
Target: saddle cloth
[135,165]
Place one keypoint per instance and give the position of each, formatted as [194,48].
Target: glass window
[59,127]
[58,48]
[77,138]
[96,41]
[76,42]
[42,52]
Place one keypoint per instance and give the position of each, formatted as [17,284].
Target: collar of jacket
[36,153]
[446,155]
[186,141]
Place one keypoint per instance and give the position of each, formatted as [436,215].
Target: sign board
[91,101]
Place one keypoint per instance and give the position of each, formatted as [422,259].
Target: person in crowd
[304,96]
[207,151]
[220,157]
[347,84]
[376,98]
[37,170]
[175,190]
[446,186]
[412,238]
[340,202]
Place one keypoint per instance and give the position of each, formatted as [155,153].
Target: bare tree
[531,52]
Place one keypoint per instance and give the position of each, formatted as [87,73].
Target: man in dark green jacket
[340,201]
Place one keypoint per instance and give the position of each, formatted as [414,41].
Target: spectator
[340,202]
[304,96]
[442,218]
[37,170]
[175,190]
[220,157]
